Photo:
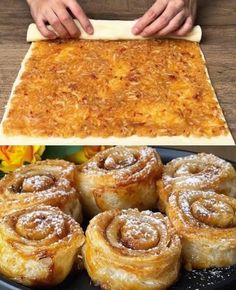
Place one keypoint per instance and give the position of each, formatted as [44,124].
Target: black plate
[211,279]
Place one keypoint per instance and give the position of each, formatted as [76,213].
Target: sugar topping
[125,164]
[214,212]
[137,233]
[198,171]
[139,236]
[49,182]
[119,159]
[41,224]
[198,210]
[37,183]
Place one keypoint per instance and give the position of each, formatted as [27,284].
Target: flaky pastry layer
[206,224]
[43,256]
[120,177]
[196,172]
[128,250]
[49,182]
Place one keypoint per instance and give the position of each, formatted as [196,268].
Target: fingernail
[89,29]
[135,30]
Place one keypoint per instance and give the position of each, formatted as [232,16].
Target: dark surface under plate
[211,279]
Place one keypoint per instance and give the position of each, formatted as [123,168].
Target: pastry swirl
[206,223]
[49,182]
[197,172]
[39,245]
[128,249]
[120,177]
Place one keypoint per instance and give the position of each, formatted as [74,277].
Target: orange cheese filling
[115,88]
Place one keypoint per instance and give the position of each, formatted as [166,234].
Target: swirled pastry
[128,249]
[206,223]
[120,177]
[49,182]
[197,172]
[39,245]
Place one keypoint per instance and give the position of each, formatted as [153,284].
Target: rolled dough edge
[112,30]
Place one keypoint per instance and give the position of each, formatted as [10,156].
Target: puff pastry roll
[49,182]
[206,223]
[197,172]
[120,177]
[39,245]
[128,249]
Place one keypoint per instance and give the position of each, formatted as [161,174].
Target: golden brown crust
[79,88]
[206,223]
[197,172]
[39,245]
[129,249]
[49,182]
[120,177]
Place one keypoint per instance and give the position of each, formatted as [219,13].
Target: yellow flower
[12,157]
[85,154]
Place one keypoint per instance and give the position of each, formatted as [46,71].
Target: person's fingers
[189,22]
[162,21]
[174,24]
[185,28]
[66,20]
[80,15]
[44,30]
[157,8]
[193,8]
[55,22]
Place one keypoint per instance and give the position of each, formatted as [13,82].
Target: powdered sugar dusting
[140,232]
[125,164]
[207,277]
[37,182]
[199,171]
[41,224]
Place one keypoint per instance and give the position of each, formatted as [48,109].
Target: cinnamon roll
[206,223]
[39,245]
[197,172]
[128,249]
[49,182]
[120,177]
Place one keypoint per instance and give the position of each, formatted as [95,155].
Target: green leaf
[59,152]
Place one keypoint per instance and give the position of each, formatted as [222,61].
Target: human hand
[167,16]
[55,13]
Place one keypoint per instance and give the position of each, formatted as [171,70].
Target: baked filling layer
[115,88]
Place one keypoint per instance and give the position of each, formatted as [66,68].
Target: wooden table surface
[217,18]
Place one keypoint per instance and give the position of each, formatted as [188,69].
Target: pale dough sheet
[132,140]
[111,30]
[128,141]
